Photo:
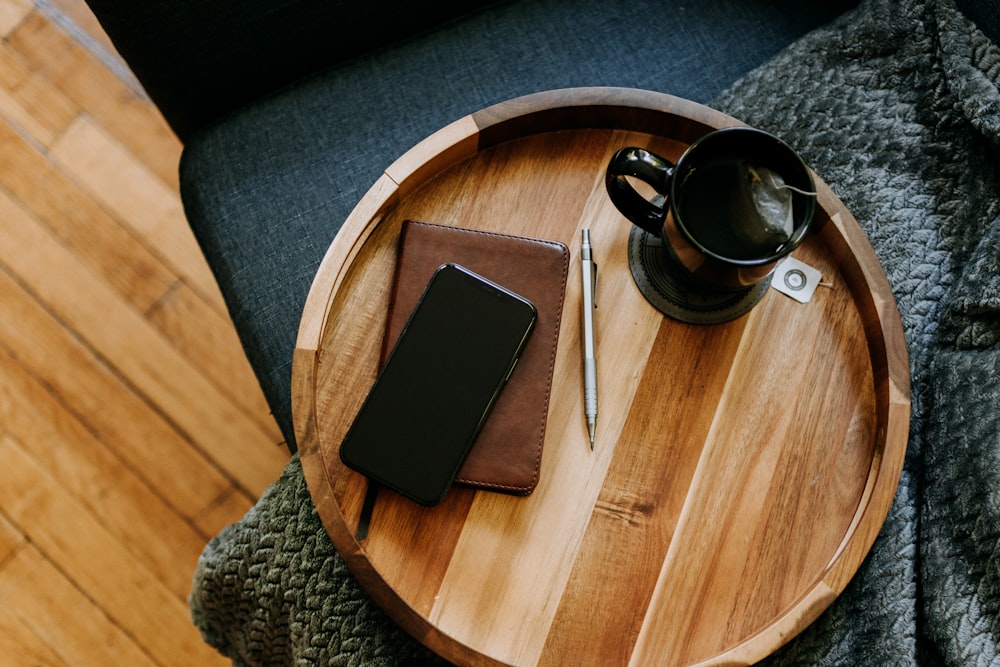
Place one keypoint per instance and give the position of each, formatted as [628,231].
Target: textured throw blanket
[896,105]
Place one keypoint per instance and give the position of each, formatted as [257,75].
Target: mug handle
[647,167]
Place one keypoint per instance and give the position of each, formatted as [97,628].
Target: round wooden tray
[741,472]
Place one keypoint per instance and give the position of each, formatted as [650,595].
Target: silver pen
[589,350]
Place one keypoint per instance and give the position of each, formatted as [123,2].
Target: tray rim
[638,111]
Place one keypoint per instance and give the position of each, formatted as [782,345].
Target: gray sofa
[289,110]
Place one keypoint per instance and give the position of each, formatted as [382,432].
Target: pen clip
[593,286]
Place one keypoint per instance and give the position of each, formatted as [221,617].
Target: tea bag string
[786,186]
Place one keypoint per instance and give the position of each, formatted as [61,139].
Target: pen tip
[591,437]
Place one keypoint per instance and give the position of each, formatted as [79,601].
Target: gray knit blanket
[896,105]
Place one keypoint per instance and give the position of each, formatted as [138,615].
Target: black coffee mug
[737,201]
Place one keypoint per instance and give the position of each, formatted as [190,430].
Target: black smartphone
[438,384]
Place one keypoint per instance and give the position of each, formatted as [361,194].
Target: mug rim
[786,248]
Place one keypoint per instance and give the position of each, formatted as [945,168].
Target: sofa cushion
[267,189]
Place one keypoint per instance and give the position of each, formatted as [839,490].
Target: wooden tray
[741,473]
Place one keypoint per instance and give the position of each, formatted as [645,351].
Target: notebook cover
[507,453]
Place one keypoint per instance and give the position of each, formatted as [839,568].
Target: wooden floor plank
[10,540]
[140,200]
[36,94]
[40,598]
[131,427]
[65,63]
[150,524]
[229,507]
[19,117]
[30,103]
[79,545]
[154,213]
[88,389]
[12,12]
[77,14]
[148,361]
[214,348]
[80,223]
[20,641]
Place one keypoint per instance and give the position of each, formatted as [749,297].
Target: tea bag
[773,200]
[738,209]
[769,221]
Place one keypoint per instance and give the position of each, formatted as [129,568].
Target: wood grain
[115,350]
[78,545]
[54,620]
[741,470]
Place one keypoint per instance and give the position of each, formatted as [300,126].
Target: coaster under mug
[659,283]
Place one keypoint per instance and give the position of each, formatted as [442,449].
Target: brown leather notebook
[507,453]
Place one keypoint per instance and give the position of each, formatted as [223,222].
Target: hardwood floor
[131,427]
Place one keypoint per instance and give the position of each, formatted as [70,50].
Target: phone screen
[438,384]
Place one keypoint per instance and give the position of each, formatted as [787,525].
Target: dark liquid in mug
[716,208]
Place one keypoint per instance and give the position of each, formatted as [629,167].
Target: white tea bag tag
[796,279]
